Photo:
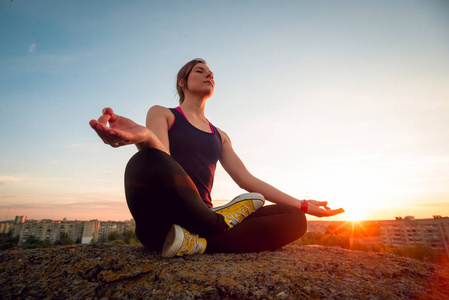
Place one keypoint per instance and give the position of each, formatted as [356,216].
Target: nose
[210,75]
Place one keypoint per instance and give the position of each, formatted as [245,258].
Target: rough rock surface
[112,271]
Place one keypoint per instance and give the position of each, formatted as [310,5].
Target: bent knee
[299,221]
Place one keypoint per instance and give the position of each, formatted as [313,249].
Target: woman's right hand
[121,131]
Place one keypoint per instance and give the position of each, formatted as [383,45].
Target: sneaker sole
[258,201]
[172,244]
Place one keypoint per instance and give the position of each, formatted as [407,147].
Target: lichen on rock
[112,271]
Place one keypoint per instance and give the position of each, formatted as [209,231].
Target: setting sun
[354,214]
[355,192]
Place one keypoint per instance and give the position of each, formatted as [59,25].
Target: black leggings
[159,193]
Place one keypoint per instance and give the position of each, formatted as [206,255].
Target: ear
[181,82]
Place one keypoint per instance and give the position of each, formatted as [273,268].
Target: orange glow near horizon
[353,234]
[366,234]
[354,214]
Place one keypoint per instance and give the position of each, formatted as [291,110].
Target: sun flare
[353,214]
[355,192]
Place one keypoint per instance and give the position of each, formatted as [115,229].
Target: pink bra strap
[180,110]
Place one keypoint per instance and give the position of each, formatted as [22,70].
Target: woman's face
[201,80]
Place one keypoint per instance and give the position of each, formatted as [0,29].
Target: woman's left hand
[320,209]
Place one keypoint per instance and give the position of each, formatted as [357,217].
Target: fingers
[322,203]
[107,111]
[107,116]
[319,204]
[100,125]
[315,209]
[105,133]
[333,212]
[103,119]
[93,123]
[109,134]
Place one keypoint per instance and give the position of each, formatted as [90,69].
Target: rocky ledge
[112,271]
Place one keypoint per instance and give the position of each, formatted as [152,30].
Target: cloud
[51,161]
[85,210]
[31,48]
[57,58]
[426,204]
[84,205]
[5,179]
[82,145]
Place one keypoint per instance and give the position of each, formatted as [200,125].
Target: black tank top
[196,151]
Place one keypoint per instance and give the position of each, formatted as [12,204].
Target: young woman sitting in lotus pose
[168,181]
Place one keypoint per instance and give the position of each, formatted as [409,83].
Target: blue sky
[344,101]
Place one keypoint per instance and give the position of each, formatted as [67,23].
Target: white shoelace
[187,239]
[235,217]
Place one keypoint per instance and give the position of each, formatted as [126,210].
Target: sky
[340,101]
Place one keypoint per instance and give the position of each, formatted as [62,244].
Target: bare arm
[245,180]
[159,120]
[123,131]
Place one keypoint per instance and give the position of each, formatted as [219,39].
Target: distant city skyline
[131,219]
[374,235]
[340,101]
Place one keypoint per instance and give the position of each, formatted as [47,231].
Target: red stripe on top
[180,110]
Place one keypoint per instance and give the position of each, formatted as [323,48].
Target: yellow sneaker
[240,207]
[180,242]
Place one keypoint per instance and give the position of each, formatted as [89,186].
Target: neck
[194,106]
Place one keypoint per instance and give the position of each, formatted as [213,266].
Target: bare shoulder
[158,112]
[224,137]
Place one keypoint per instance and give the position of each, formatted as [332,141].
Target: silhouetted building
[106,227]
[408,231]
[6,226]
[84,232]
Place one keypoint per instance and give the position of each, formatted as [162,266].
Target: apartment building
[107,227]
[401,232]
[408,231]
[84,232]
[6,226]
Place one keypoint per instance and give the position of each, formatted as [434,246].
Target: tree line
[416,251]
[32,242]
